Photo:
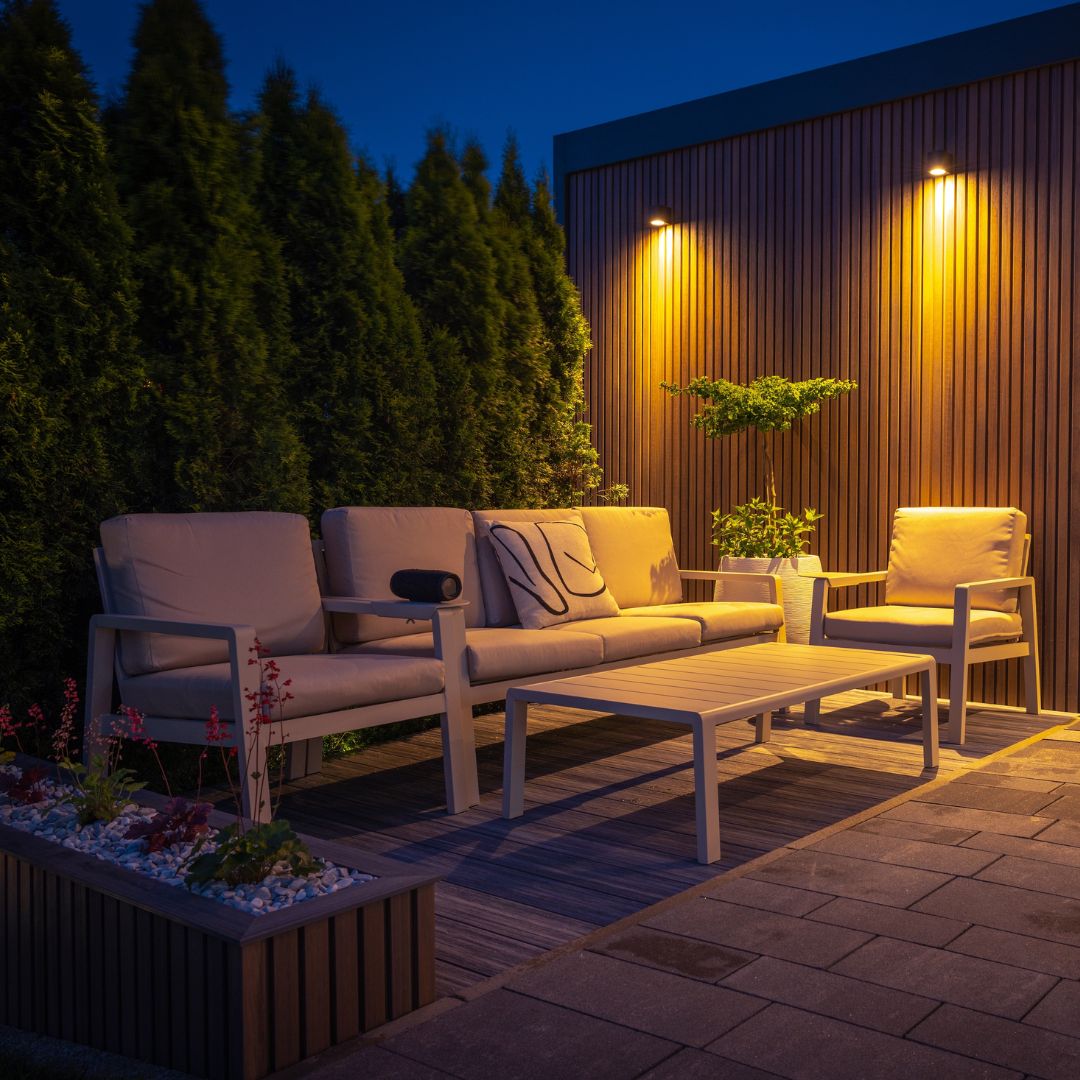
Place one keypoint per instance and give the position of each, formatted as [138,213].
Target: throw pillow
[551,573]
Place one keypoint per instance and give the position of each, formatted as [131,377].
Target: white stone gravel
[55,820]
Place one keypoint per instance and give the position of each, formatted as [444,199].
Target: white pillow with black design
[550,571]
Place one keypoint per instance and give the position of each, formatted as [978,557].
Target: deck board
[609,821]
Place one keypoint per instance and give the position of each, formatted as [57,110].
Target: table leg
[812,712]
[930,716]
[514,759]
[706,802]
[763,727]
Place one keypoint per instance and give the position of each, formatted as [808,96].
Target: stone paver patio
[936,934]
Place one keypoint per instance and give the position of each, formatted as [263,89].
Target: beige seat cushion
[624,637]
[254,568]
[499,607]
[936,548]
[366,544]
[726,619]
[320,684]
[635,553]
[504,652]
[895,624]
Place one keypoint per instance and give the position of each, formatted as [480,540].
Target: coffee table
[715,688]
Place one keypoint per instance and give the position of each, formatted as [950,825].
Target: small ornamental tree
[769,404]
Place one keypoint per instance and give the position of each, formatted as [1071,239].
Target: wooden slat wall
[821,248]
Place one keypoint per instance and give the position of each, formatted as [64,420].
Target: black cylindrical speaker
[427,586]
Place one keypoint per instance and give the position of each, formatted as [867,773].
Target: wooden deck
[609,822]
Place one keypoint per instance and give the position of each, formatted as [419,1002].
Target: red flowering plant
[246,852]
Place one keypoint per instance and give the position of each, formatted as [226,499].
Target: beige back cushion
[634,553]
[498,603]
[936,548]
[255,569]
[366,544]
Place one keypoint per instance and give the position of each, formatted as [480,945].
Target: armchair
[955,588]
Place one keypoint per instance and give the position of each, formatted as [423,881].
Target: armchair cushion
[499,607]
[495,653]
[251,568]
[624,638]
[320,684]
[635,553]
[936,548]
[721,620]
[550,571]
[366,544]
[898,624]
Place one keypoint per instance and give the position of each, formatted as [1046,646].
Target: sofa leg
[303,758]
[957,704]
[459,758]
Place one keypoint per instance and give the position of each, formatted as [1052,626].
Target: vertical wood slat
[821,248]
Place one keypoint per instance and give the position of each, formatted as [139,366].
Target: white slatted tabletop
[715,688]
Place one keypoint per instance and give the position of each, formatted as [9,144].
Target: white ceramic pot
[798,591]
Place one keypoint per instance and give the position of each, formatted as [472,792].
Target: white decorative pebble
[55,820]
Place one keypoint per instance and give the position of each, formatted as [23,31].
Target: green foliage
[211,282]
[450,274]
[70,372]
[100,794]
[769,403]
[208,312]
[245,858]
[759,530]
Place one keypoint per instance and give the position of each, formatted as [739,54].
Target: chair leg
[957,727]
[1032,685]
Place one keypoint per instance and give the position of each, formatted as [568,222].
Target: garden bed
[101,955]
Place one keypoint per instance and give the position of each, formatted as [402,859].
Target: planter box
[97,954]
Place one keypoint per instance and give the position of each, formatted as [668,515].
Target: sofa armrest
[101,661]
[146,624]
[997,583]
[388,609]
[844,579]
[732,585]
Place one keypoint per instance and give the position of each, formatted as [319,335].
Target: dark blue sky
[393,69]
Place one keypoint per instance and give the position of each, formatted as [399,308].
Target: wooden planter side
[98,955]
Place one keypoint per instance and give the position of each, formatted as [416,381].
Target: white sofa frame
[302,736]
[961,652]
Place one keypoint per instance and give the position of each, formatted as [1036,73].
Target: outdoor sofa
[185,596]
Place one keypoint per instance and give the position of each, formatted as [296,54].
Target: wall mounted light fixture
[940,163]
[659,216]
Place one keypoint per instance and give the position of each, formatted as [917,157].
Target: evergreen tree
[358,350]
[211,286]
[573,460]
[518,461]
[450,274]
[70,374]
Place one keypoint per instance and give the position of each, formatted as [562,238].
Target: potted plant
[760,536]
